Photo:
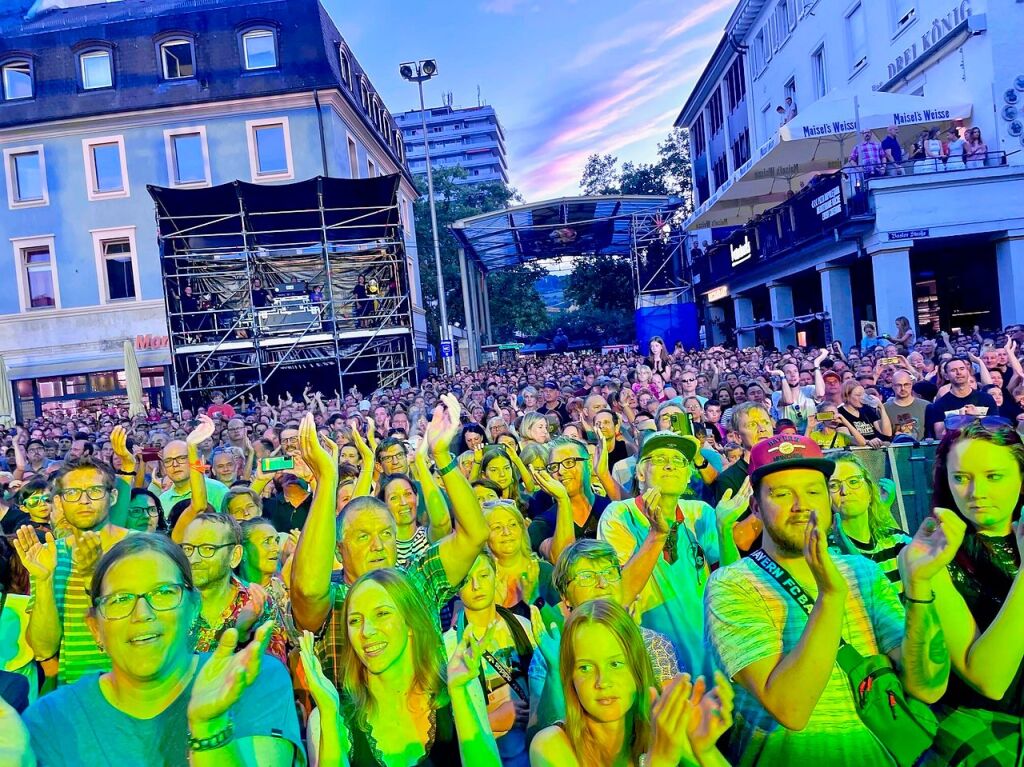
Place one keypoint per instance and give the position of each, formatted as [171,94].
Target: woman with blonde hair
[534,428]
[522,577]
[865,523]
[610,718]
[396,698]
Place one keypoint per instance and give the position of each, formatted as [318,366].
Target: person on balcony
[976,151]
[955,150]
[868,157]
[932,161]
[893,152]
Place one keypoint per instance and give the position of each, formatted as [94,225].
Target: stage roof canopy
[569,226]
[241,216]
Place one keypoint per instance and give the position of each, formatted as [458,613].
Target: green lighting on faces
[601,676]
[985,480]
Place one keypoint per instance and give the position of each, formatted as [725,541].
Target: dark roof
[239,216]
[569,226]
[308,43]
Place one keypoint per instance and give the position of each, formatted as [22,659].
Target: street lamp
[418,72]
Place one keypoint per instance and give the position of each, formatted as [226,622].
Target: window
[784,21]
[715,117]
[178,59]
[17,80]
[259,48]
[105,167]
[819,75]
[364,94]
[789,89]
[188,157]
[761,52]
[857,37]
[736,84]
[270,152]
[697,139]
[371,168]
[353,159]
[116,264]
[37,273]
[904,13]
[96,70]
[346,68]
[25,168]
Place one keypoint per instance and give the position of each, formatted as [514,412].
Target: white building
[931,246]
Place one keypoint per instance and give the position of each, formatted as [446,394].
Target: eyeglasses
[568,465]
[392,458]
[181,460]
[588,578]
[206,550]
[988,421]
[853,483]
[671,551]
[115,607]
[74,494]
[662,461]
[34,501]
[688,380]
[144,511]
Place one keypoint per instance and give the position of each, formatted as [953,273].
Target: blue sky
[567,77]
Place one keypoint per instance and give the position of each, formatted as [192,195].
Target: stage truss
[231,245]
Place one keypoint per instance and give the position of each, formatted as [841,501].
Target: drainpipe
[320,123]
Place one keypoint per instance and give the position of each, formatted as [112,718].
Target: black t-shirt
[560,409]
[543,525]
[730,479]
[936,412]
[283,515]
[618,453]
[863,420]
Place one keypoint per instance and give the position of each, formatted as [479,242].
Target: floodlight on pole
[418,72]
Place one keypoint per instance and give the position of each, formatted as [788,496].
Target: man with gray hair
[750,423]
[226,464]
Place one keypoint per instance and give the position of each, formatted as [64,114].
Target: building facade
[471,138]
[794,238]
[100,99]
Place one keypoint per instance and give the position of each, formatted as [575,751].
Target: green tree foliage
[516,308]
[600,175]
[518,302]
[600,288]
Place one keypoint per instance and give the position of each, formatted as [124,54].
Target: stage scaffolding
[658,259]
[260,284]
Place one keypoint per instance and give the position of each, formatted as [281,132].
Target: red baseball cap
[787,451]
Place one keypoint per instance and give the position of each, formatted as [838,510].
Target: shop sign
[149,341]
[908,234]
[742,252]
[934,36]
[717,294]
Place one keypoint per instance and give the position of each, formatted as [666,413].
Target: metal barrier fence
[910,467]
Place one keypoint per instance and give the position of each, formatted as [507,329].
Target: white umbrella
[133,379]
[6,397]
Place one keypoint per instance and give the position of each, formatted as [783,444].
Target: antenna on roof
[478,102]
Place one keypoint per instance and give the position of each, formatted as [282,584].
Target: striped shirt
[79,653]
[413,548]
[750,618]
[884,551]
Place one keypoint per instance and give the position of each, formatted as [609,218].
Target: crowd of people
[932,151]
[661,558]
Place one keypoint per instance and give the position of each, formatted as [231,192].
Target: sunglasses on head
[988,421]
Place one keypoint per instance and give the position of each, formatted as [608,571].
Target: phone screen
[681,424]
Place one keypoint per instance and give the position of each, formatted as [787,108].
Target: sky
[568,78]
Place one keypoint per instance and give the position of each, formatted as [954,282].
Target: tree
[600,175]
[642,178]
[516,308]
[600,288]
[674,166]
[454,201]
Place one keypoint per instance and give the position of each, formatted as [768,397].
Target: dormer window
[16,80]
[97,70]
[177,59]
[259,49]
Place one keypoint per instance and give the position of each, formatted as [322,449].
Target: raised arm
[314,554]
[819,381]
[1015,366]
[790,685]
[40,559]
[564,534]
[639,565]
[460,548]
[469,708]
[433,498]
[196,478]
[364,483]
[983,375]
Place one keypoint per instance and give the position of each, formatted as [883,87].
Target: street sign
[446,349]
[908,234]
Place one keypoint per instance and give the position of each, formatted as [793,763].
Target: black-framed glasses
[144,511]
[988,421]
[181,460]
[568,464]
[74,494]
[120,605]
[206,550]
[587,578]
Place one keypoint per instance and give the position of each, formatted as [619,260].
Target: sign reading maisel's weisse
[921,116]
[830,128]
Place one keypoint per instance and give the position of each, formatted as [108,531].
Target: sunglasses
[988,421]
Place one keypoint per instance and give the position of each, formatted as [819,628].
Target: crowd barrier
[910,468]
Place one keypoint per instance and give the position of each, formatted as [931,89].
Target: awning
[817,140]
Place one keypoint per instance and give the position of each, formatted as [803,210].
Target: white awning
[818,140]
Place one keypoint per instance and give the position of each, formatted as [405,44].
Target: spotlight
[408,71]
[428,67]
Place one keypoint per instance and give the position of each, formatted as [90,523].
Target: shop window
[50,387]
[103,382]
[76,384]
[24,388]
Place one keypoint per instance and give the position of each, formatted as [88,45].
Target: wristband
[126,473]
[448,468]
[702,466]
[214,741]
[199,466]
[919,601]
